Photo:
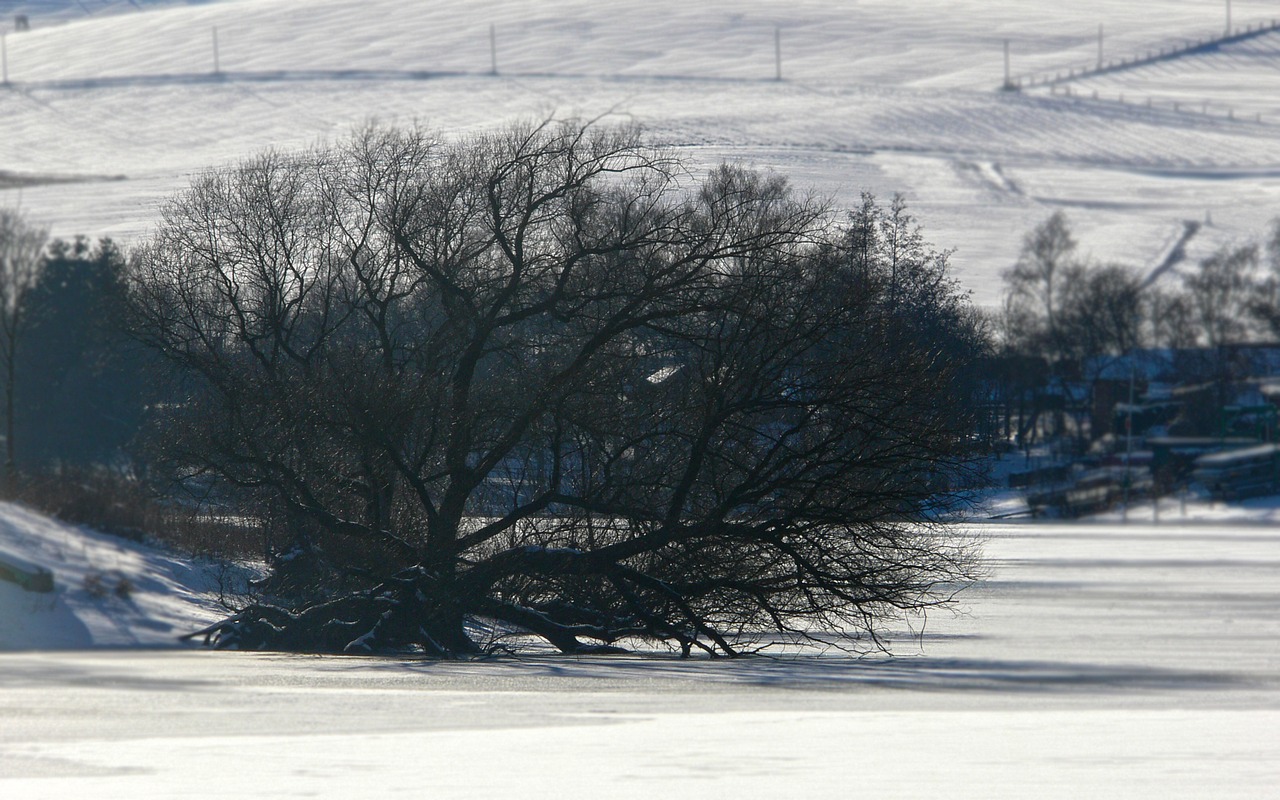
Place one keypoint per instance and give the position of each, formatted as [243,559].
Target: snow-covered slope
[108,592]
[44,12]
[876,95]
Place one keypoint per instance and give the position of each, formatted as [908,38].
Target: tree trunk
[10,464]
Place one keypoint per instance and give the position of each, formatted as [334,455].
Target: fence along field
[739,46]
[1161,54]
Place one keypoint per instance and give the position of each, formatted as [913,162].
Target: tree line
[74,390]
[1068,317]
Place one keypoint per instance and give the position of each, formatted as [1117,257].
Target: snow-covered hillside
[108,592]
[44,12]
[876,95]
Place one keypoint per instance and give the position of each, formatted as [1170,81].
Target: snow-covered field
[878,95]
[1102,659]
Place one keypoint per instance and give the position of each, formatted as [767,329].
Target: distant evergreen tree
[82,394]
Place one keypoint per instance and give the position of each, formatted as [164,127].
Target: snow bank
[108,592]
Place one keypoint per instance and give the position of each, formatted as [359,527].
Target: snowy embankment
[107,591]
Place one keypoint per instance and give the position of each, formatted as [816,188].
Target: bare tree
[1046,265]
[21,250]
[1101,316]
[1033,328]
[1221,292]
[1265,304]
[1167,318]
[539,379]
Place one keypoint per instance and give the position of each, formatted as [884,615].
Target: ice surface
[1100,659]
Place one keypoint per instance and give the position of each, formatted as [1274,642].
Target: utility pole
[777,52]
[1099,45]
[493,50]
[217,66]
[1007,83]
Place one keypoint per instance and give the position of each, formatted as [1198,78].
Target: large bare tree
[545,379]
[1046,268]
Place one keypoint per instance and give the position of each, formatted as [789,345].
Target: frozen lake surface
[1098,660]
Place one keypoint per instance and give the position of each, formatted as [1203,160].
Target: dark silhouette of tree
[1264,305]
[84,383]
[1167,318]
[1046,266]
[1101,313]
[1220,292]
[542,380]
[1033,327]
[21,246]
